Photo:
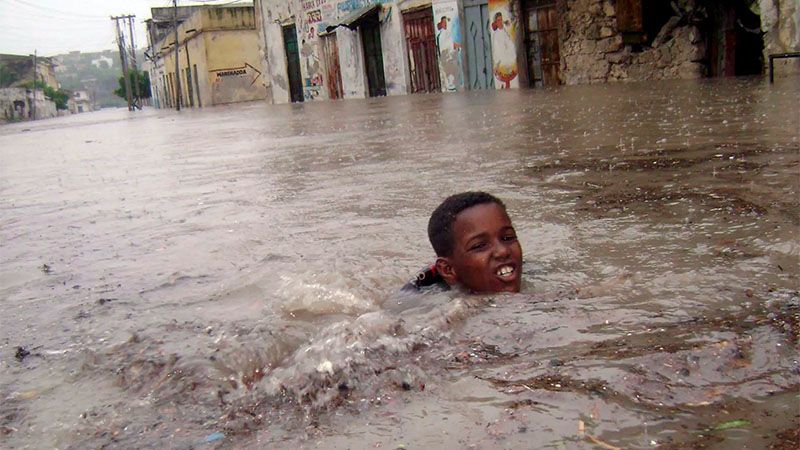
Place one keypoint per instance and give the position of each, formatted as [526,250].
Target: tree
[59,96]
[7,76]
[136,76]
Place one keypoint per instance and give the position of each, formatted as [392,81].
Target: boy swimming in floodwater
[476,246]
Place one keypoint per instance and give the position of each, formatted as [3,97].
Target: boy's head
[475,243]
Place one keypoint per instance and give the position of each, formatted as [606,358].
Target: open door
[373,55]
[293,63]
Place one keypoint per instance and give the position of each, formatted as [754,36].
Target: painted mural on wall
[504,50]
[450,44]
[312,21]
[315,18]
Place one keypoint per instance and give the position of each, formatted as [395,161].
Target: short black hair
[440,225]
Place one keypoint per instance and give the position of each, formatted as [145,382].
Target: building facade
[219,59]
[19,103]
[329,49]
[80,102]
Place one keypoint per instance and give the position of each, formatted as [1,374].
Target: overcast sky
[52,27]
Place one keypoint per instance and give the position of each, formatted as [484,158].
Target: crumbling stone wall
[15,104]
[779,22]
[592,50]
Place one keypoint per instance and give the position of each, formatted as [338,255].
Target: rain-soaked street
[229,277]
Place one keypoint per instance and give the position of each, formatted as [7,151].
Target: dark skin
[486,255]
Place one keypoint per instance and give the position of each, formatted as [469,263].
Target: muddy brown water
[235,270]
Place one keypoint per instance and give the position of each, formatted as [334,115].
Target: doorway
[479,44]
[541,43]
[293,63]
[423,61]
[734,40]
[373,55]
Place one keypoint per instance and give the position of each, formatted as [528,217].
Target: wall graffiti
[348,6]
[504,49]
[316,16]
[450,45]
[231,84]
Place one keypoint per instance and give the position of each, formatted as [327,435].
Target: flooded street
[229,277]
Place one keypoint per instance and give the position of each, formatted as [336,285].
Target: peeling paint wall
[351,60]
[393,42]
[16,103]
[233,72]
[274,15]
[447,20]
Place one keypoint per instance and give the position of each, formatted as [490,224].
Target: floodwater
[229,277]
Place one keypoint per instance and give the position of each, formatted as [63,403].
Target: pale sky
[52,27]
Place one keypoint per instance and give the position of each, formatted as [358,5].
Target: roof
[356,18]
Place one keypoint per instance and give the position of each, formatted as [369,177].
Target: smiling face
[486,255]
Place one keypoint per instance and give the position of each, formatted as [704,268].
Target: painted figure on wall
[503,47]
[313,70]
[448,40]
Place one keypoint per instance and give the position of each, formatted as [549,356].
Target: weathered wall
[592,50]
[234,69]
[223,44]
[351,60]
[16,104]
[448,21]
[312,17]
[274,14]
[780,21]
[393,42]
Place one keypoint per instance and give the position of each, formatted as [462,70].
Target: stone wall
[780,21]
[592,49]
[15,104]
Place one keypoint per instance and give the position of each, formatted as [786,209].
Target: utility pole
[33,103]
[124,60]
[133,60]
[177,61]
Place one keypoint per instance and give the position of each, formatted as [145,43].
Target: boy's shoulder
[426,278]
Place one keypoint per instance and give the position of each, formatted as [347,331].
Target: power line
[62,21]
[52,10]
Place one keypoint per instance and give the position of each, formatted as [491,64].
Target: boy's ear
[446,270]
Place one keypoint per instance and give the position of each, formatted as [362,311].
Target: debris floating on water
[214,437]
[21,354]
[732,424]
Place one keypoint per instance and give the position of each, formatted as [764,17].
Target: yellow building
[219,60]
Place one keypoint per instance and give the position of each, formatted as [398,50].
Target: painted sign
[504,50]
[235,84]
[246,71]
[450,45]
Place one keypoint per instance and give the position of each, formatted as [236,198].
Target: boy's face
[486,254]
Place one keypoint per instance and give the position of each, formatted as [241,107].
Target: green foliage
[7,76]
[136,76]
[59,96]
